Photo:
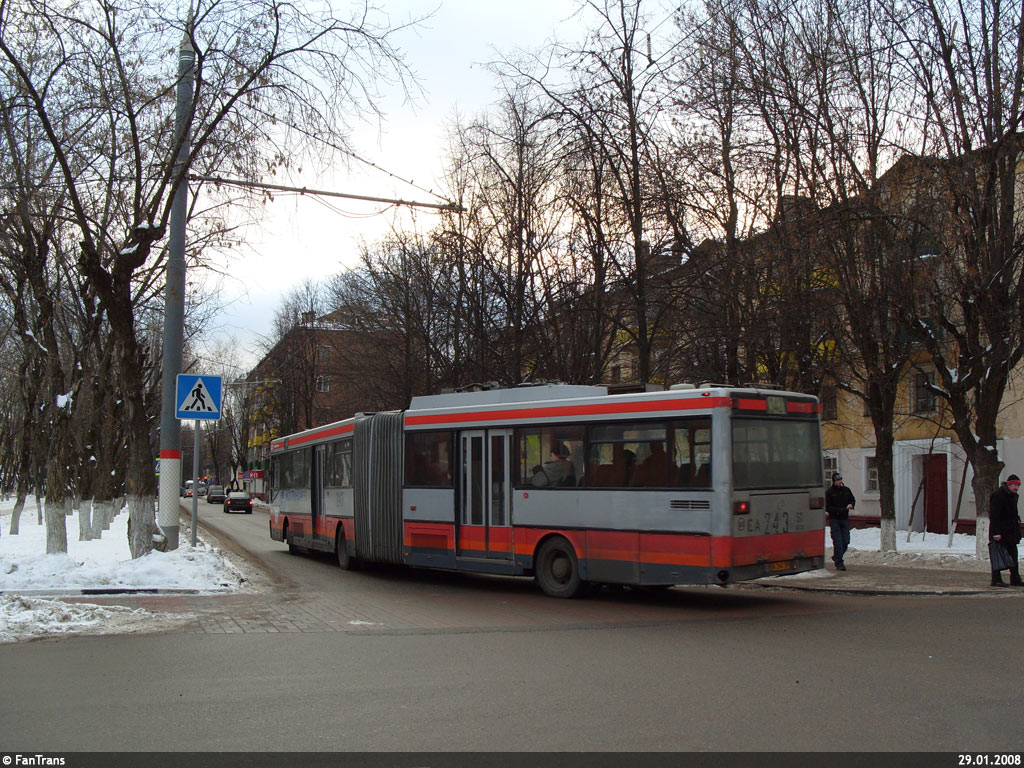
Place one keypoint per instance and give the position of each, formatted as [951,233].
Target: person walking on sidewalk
[1004,529]
[838,503]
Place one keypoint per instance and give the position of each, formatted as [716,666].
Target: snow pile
[106,563]
[28,576]
[22,618]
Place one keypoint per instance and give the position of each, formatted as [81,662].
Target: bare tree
[271,78]
[512,223]
[610,96]
[967,59]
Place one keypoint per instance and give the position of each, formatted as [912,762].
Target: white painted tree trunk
[101,514]
[888,536]
[85,524]
[57,527]
[981,537]
[120,505]
[141,524]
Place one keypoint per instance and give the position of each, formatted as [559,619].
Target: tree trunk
[86,510]
[886,488]
[141,524]
[19,505]
[888,535]
[102,511]
[56,526]
[984,483]
[39,507]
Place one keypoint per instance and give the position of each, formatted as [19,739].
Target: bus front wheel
[557,569]
[287,536]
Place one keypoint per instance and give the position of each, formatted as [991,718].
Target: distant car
[188,493]
[215,495]
[238,501]
[201,491]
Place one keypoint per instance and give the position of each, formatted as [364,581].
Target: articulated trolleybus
[565,483]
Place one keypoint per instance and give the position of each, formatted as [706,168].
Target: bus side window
[652,472]
[702,477]
[550,456]
[428,459]
[691,454]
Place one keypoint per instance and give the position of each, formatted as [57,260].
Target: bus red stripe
[630,546]
[747,404]
[344,429]
[562,411]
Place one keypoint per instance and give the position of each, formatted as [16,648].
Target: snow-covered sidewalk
[30,579]
[928,550]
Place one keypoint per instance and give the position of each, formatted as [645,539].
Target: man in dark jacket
[1004,527]
[838,503]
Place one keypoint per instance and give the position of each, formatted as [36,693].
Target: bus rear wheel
[557,569]
[345,561]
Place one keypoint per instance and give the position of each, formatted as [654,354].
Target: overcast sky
[300,237]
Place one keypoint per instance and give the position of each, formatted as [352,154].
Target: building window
[323,384]
[829,403]
[924,395]
[323,353]
[871,474]
[831,465]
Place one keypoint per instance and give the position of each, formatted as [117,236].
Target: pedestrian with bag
[838,503]
[1004,532]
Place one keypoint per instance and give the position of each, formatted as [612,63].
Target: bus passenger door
[499,507]
[316,497]
[484,519]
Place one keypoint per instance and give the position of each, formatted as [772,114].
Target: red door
[936,502]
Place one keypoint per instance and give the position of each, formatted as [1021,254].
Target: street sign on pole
[198,397]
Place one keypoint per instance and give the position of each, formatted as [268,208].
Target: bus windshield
[775,453]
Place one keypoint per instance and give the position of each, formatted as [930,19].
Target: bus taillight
[741,508]
[817,502]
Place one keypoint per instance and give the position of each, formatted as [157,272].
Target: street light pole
[174,303]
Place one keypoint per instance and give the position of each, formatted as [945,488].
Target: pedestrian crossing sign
[197,397]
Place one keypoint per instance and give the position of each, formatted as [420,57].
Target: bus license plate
[782,565]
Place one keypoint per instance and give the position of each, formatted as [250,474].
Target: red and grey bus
[565,483]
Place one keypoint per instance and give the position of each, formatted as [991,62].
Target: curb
[879,591]
[106,591]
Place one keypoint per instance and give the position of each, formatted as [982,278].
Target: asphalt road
[450,662]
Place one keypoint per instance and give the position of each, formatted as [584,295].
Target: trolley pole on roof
[174,305]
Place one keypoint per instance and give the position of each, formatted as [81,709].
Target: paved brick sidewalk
[935,575]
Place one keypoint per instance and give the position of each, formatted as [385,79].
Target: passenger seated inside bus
[652,471]
[557,470]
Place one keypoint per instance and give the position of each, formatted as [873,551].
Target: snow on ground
[31,580]
[922,550]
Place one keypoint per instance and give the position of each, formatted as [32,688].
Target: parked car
[238,501]
[215,495]
[201,491]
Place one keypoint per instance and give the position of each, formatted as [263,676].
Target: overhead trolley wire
[453,207]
